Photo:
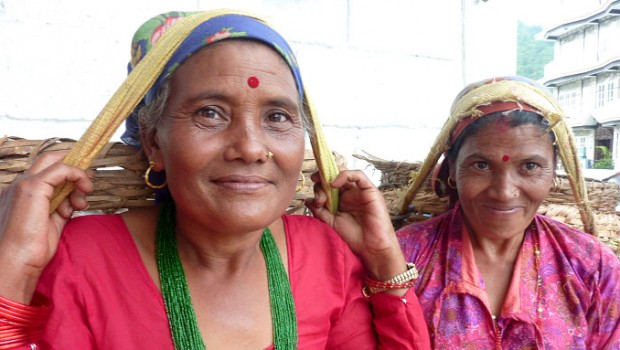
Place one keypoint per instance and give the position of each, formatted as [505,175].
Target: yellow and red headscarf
[496,95]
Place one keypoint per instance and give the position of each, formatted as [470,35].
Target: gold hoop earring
[269,155]
[450,183]
[556,184]
[301,186]
[148,182]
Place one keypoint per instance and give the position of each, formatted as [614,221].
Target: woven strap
[133,90]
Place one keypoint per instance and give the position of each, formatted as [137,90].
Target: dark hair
[514,119]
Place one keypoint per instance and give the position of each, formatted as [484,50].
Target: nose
[246,142]
[504,186]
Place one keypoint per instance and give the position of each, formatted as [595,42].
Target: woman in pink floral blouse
[494,273]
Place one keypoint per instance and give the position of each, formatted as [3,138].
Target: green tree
[606,161]
[532,54]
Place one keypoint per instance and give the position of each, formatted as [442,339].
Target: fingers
[356,177]
[45,160]
[318,211]
[65,210]
[32,192]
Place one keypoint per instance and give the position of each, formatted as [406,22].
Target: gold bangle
[409,275]
[368,291]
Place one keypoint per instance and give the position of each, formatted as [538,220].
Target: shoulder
[310,230]
[586,254]
[94,240]
[94,229]
[417,238]
[309,239]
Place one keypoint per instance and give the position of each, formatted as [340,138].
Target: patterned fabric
[219,28]
[580,289]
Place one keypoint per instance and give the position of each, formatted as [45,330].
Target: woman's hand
[363,222]
[28,233]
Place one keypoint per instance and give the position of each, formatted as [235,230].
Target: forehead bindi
[253,82]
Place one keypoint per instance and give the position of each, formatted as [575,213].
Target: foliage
[532,54]
[606,161]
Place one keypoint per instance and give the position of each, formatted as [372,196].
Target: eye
[209,112]
[278,117]
[481,165]
[531,166]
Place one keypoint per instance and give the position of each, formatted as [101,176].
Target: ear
[152,151]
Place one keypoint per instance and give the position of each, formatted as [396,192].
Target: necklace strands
[538,287]
[178,302]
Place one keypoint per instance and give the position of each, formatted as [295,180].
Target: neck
[497,250]
[215,250]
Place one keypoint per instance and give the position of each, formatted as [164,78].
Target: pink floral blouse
[579,297]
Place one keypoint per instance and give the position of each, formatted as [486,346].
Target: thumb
[320,212]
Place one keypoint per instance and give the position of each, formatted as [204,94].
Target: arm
[363,222]
[399,322]
[28,233]
[383,321]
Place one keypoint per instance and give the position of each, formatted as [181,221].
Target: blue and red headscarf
[224,27]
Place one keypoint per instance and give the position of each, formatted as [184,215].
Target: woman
[216,264]
[493,273]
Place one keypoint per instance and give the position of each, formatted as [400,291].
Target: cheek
[538,190]
[470,188]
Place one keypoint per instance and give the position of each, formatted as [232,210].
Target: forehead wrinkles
[524,138]
[239,60]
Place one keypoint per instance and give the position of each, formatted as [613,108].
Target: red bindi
[253,82]
[506,158]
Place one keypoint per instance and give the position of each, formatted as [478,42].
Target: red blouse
[104,297]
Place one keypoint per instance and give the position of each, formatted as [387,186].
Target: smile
[242,183]
[502,210]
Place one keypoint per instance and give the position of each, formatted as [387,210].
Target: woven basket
[119,170]
[559,204]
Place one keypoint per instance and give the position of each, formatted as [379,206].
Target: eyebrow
[534,157]
[283,102]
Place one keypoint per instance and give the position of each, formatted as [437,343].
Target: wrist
[21,324]
[398,284]
[17,281]
[382,267]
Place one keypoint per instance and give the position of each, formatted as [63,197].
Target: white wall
[382,74]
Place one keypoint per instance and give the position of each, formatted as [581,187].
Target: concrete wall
[382,74]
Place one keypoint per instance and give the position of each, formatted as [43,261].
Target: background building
[585,76]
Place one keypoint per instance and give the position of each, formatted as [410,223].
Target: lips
[243,183]
[502,209]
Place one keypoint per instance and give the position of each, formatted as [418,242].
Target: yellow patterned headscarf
[156,62]
[521,91]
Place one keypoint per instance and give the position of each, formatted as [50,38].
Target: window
[611,91]
[600,98]
[581,147]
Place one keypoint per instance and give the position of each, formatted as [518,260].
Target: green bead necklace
[179,308]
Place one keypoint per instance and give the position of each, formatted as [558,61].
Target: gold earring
[557,184]
[450,183]
[301,186]
[269,155]
[148,182]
